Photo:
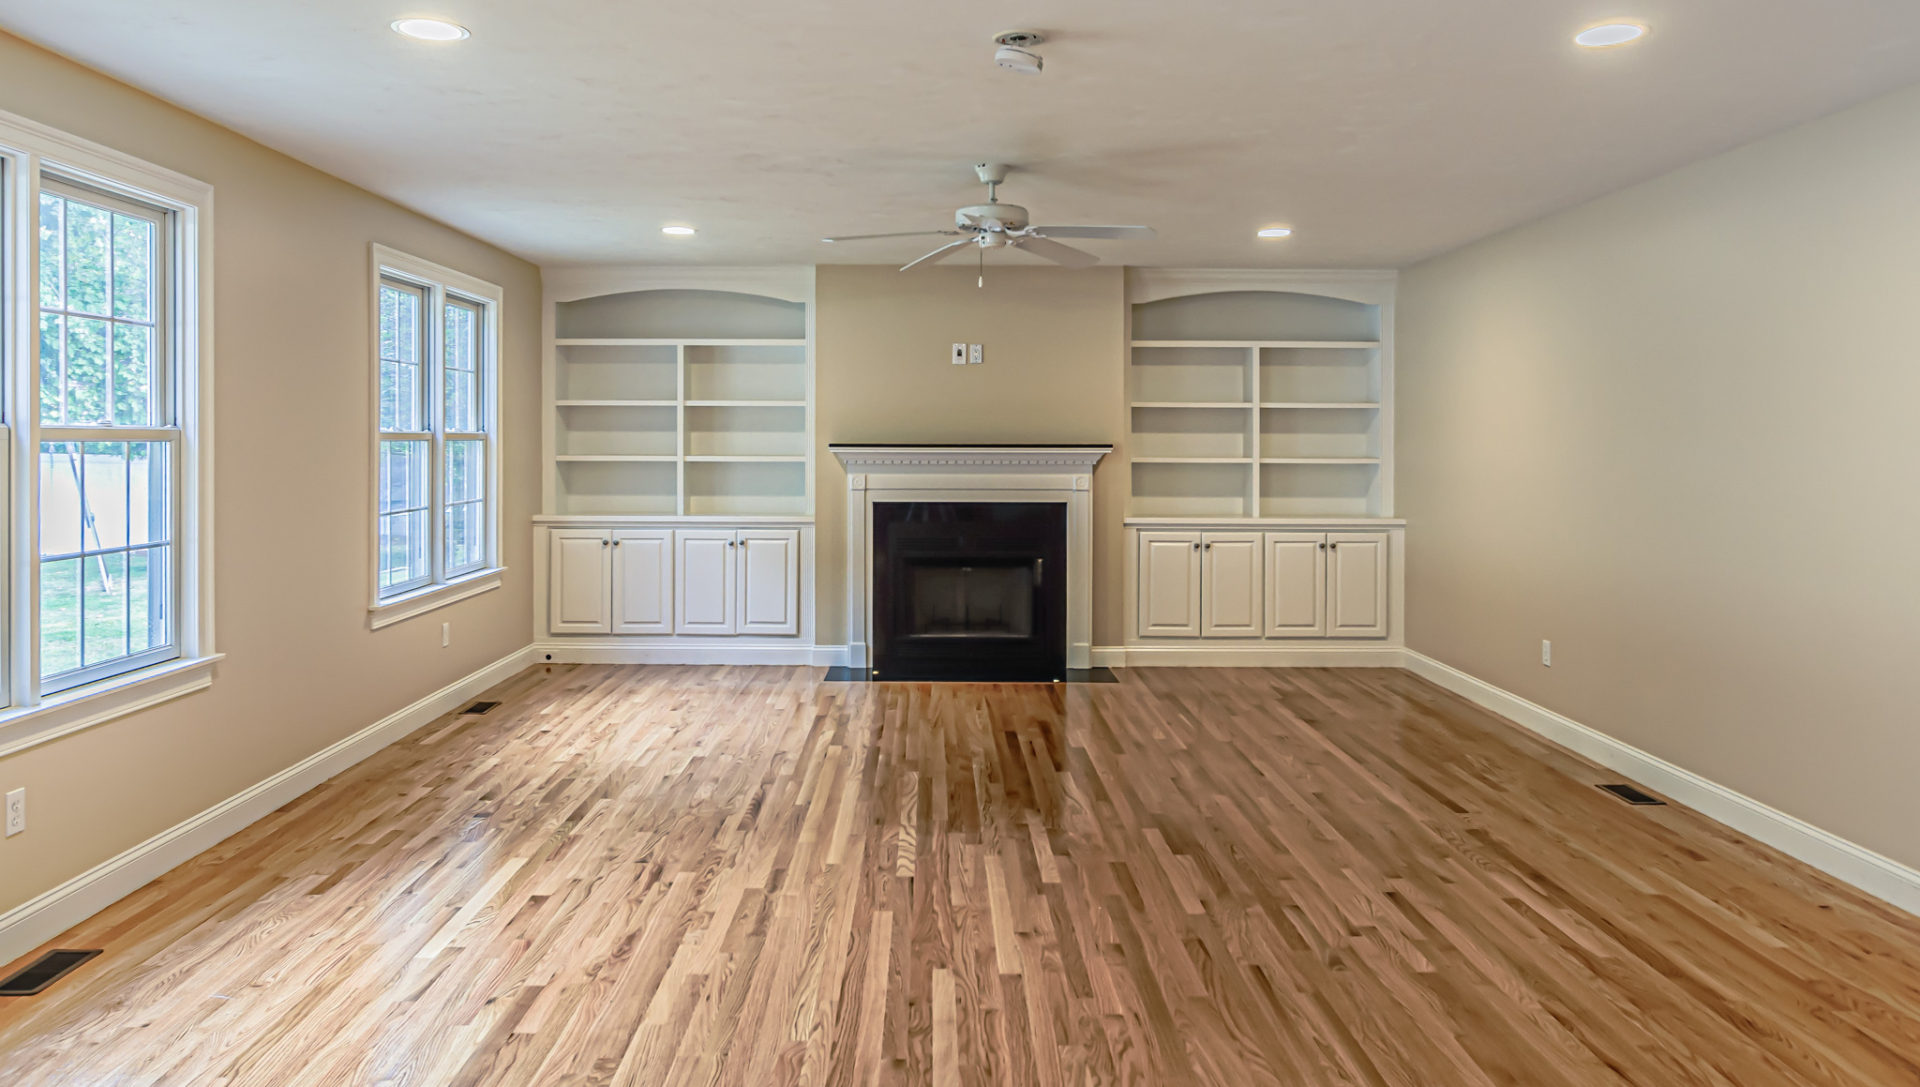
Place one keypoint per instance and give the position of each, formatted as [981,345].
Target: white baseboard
[40,919]
[629,651]
[1880,876]
[1248,656]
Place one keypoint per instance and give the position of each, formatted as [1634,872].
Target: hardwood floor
[647,875]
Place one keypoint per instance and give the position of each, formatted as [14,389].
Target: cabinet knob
[616,543]
[1209,545]
[1196,545]
[604,543]
[1323,545]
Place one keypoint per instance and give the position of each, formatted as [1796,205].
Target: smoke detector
[1015,52]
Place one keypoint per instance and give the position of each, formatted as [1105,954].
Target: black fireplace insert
[970,591]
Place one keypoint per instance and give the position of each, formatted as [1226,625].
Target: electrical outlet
[16,812]
[446,635]
[1546,653]
[973,354]
[959,354]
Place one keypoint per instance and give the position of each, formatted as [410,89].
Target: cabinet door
[1169,584]
[578,565]
[703,581]
[643,581]
[1296,585]
[1357,585]
[1230,603]
[769,562]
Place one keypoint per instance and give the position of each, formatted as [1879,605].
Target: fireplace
[970,590]
[939,594]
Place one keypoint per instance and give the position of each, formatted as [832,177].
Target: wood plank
[634,874]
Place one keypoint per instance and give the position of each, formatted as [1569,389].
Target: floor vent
[44,971]
[1632,795]
[480,707]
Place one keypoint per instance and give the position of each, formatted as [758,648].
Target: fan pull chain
[981,283]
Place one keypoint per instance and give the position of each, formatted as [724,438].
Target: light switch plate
[1546,653]
[973,354]
[959,354]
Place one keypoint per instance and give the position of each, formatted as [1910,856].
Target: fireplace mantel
[970,473]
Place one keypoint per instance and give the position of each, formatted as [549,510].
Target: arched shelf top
[572,284]
[680,313]
[1256,315]
[1372,287]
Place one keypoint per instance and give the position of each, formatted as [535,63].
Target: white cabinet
[1169,600]
[1230,577]
[1356,585]
[660,581]
[1296,584]
[1273,585]
[578,565]
[1327,585]
[643,581]
[704,602]
[769,578]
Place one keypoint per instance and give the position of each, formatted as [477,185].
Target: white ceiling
[1384,131]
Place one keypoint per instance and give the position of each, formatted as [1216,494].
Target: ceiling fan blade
[941,253]
[1055,252]
[1114,232]
[900,234]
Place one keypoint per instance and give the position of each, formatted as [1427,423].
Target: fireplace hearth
[970,590]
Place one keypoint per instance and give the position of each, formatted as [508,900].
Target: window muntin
[109,440]
[434,452]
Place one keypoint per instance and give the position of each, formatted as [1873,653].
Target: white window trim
[26,148]
[388,610]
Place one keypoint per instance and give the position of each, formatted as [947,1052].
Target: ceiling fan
[994,225]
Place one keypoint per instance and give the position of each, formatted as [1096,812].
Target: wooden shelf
[615,458]
[1244,344]
[652,342]
[696,458]
[1192,460]
[708,402]
[1296,385]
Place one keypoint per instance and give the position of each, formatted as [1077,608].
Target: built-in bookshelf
[1259,404]
[680,402]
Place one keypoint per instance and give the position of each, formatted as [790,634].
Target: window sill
[97,703]
[421,601]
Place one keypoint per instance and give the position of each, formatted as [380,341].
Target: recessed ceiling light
[430,30]
[1274,232]
[1606,34]
[677,231]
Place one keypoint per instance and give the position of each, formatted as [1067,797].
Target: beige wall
[1674,431]
[1055,371]
[291,468]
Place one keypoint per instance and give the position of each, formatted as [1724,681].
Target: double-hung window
[107,602]
[109,436]
[436,340]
